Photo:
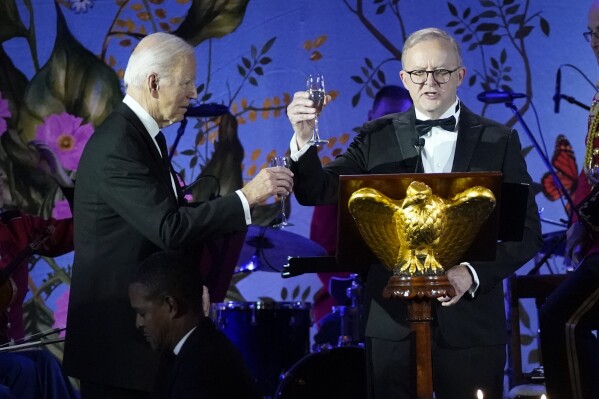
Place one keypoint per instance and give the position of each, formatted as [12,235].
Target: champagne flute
[315,87]
[284,162]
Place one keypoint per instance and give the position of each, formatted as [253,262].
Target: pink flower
[4,113]
[188,197]
[61,210]
[60,311]
[66,136]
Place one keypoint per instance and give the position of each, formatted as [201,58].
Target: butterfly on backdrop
[564,163]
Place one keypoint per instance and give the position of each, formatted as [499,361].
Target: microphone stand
[549,167]
[180,132]
[574,101]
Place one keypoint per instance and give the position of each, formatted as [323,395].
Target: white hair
[430,34]
[155,54]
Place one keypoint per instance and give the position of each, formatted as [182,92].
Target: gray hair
[156,54]
[430,34]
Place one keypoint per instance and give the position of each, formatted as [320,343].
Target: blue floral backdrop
[62,63]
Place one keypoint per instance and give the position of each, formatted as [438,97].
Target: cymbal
[554,243]
[267,249]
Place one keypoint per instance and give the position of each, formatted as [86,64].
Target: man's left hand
[460,278]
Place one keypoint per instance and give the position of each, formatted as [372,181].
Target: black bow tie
[423,127]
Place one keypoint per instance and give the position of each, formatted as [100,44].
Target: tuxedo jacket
[124,210]
[386,145]
[209,366]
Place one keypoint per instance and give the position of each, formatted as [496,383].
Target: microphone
[558,90]
[419,144]
[498,96]
[206,110]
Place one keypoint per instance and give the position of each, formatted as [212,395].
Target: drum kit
[274,337]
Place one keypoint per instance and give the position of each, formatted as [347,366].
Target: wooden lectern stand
[354,255]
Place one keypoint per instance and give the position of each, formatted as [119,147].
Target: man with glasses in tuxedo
[468,331]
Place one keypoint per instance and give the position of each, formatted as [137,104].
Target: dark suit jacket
[209,366]
[386,145]
[125,210]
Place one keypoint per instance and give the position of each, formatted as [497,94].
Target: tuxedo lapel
[405,132]
[469,132]
[160,167]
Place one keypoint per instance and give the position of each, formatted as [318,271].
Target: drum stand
[419,291]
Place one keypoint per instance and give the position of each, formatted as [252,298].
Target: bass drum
[335,373]
[271,336]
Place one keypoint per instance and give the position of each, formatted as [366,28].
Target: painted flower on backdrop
[66,136]
[81,6]
[61,210]
[4,113]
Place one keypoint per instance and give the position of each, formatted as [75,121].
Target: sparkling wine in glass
[315,87]
[284,162]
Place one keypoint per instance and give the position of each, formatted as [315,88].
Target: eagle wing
[466,212]
[378,218]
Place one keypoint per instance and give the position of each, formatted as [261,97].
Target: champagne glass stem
[283,213]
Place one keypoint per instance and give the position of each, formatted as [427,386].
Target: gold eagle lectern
[418,238]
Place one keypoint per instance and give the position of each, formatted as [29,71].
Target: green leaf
[306,293]
[474,19]
[506,78]
[208,19]
[380,9]
[507,2]
[494,63]
[466,13]
[355,100]
[381,75]
[545,28]
[74,81]
[268,45]
[523,32]
[259,71]
[487,27]
[472,80]
[253,81]
[376,84]
[357,79]
[452,9]
[503,56]
[451,24]
[472,46]
[488,14]
[512,9]
[368,62]
[265,60]
[206,97]
[526,339]
[489,39]
[506,88]
[241,70]
[296,292]
[467,38]
[246,62]
[284,293]
[11,25]
[487,3]
[459,31]
[187,152]
[516,20]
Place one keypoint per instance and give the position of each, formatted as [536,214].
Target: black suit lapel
[152,150]
[469,132]
[405,132]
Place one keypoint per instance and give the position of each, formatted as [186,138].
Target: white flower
[80,6]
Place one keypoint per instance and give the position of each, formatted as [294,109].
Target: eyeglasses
[589,34]
[440,76]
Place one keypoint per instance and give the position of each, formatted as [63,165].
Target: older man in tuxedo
[128,205]
[468,331]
